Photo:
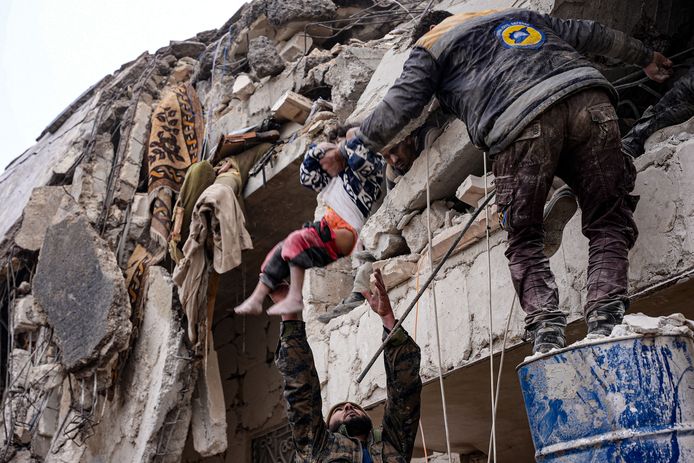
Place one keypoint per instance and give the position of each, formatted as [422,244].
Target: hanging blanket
[177,129]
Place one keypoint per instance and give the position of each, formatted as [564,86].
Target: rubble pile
[99,365]
[86,358]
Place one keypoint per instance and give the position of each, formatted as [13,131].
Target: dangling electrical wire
[432,293]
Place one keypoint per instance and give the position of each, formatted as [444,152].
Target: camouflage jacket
[313,441]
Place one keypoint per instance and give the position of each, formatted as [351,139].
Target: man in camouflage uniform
[348,435]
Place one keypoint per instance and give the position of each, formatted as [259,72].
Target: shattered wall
[98,379]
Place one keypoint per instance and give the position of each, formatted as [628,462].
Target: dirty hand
[379,301]
[332,162]
[223,167]
[659,69]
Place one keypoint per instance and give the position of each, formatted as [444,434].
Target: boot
[558,211]
[547,336]
[602,319]
[347,304]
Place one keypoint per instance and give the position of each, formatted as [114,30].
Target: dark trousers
[577,140]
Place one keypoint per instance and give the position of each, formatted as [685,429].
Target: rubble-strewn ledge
[664,250]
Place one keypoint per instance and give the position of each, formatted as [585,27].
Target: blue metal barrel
[624,400]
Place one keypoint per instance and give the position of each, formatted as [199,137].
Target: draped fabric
[174,145]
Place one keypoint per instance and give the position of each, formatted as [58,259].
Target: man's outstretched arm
[404,100]
[592,37]
[294,360]
[402,357]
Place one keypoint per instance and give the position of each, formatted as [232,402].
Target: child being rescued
[348,178]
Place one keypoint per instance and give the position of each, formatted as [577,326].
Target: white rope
[432,292]
[501,368]
[492,442]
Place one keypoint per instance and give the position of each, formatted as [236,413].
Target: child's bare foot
[288,306]
[250,306]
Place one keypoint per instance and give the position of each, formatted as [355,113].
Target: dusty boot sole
[560,209]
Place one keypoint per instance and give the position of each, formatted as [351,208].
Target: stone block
[350,75]
[187,48]
[135,149]
[328,285]
[27,316]
[208,424]
[263,57]
[388,245]
[38,213]
[416,231]
[19,368]
[442,242]
[80,287]
[397,270]
[282,13]
[472,189]
[243,87]
[296,47]
[292,107]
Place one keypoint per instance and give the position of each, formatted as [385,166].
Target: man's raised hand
[379,301]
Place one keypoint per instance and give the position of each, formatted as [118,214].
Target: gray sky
[53,50]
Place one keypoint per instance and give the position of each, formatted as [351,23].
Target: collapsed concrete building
[89,377]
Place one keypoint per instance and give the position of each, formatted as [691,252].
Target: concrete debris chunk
[397,270]
[472,189]
[299,45]
[243,87]
[350,76]
[263,57]
[209,423]
[292,107]
[82,291]
[38,213]
[281,12]
[416,231]
[477,231]
[26,315]
[187,48]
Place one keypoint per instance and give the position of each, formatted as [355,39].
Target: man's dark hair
[432,18]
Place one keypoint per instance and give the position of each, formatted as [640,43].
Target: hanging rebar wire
[431,277]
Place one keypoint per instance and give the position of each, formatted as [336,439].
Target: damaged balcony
[151,392]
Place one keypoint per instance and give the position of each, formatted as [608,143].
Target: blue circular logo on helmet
[519,34]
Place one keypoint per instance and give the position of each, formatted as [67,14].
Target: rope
[407,311]
[501,368]
[491,321]
[432,293]
[414,337]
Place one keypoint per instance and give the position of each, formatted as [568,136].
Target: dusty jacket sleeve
[294,361]
[404,100]
[311,174]
[592,37]
[401,416]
